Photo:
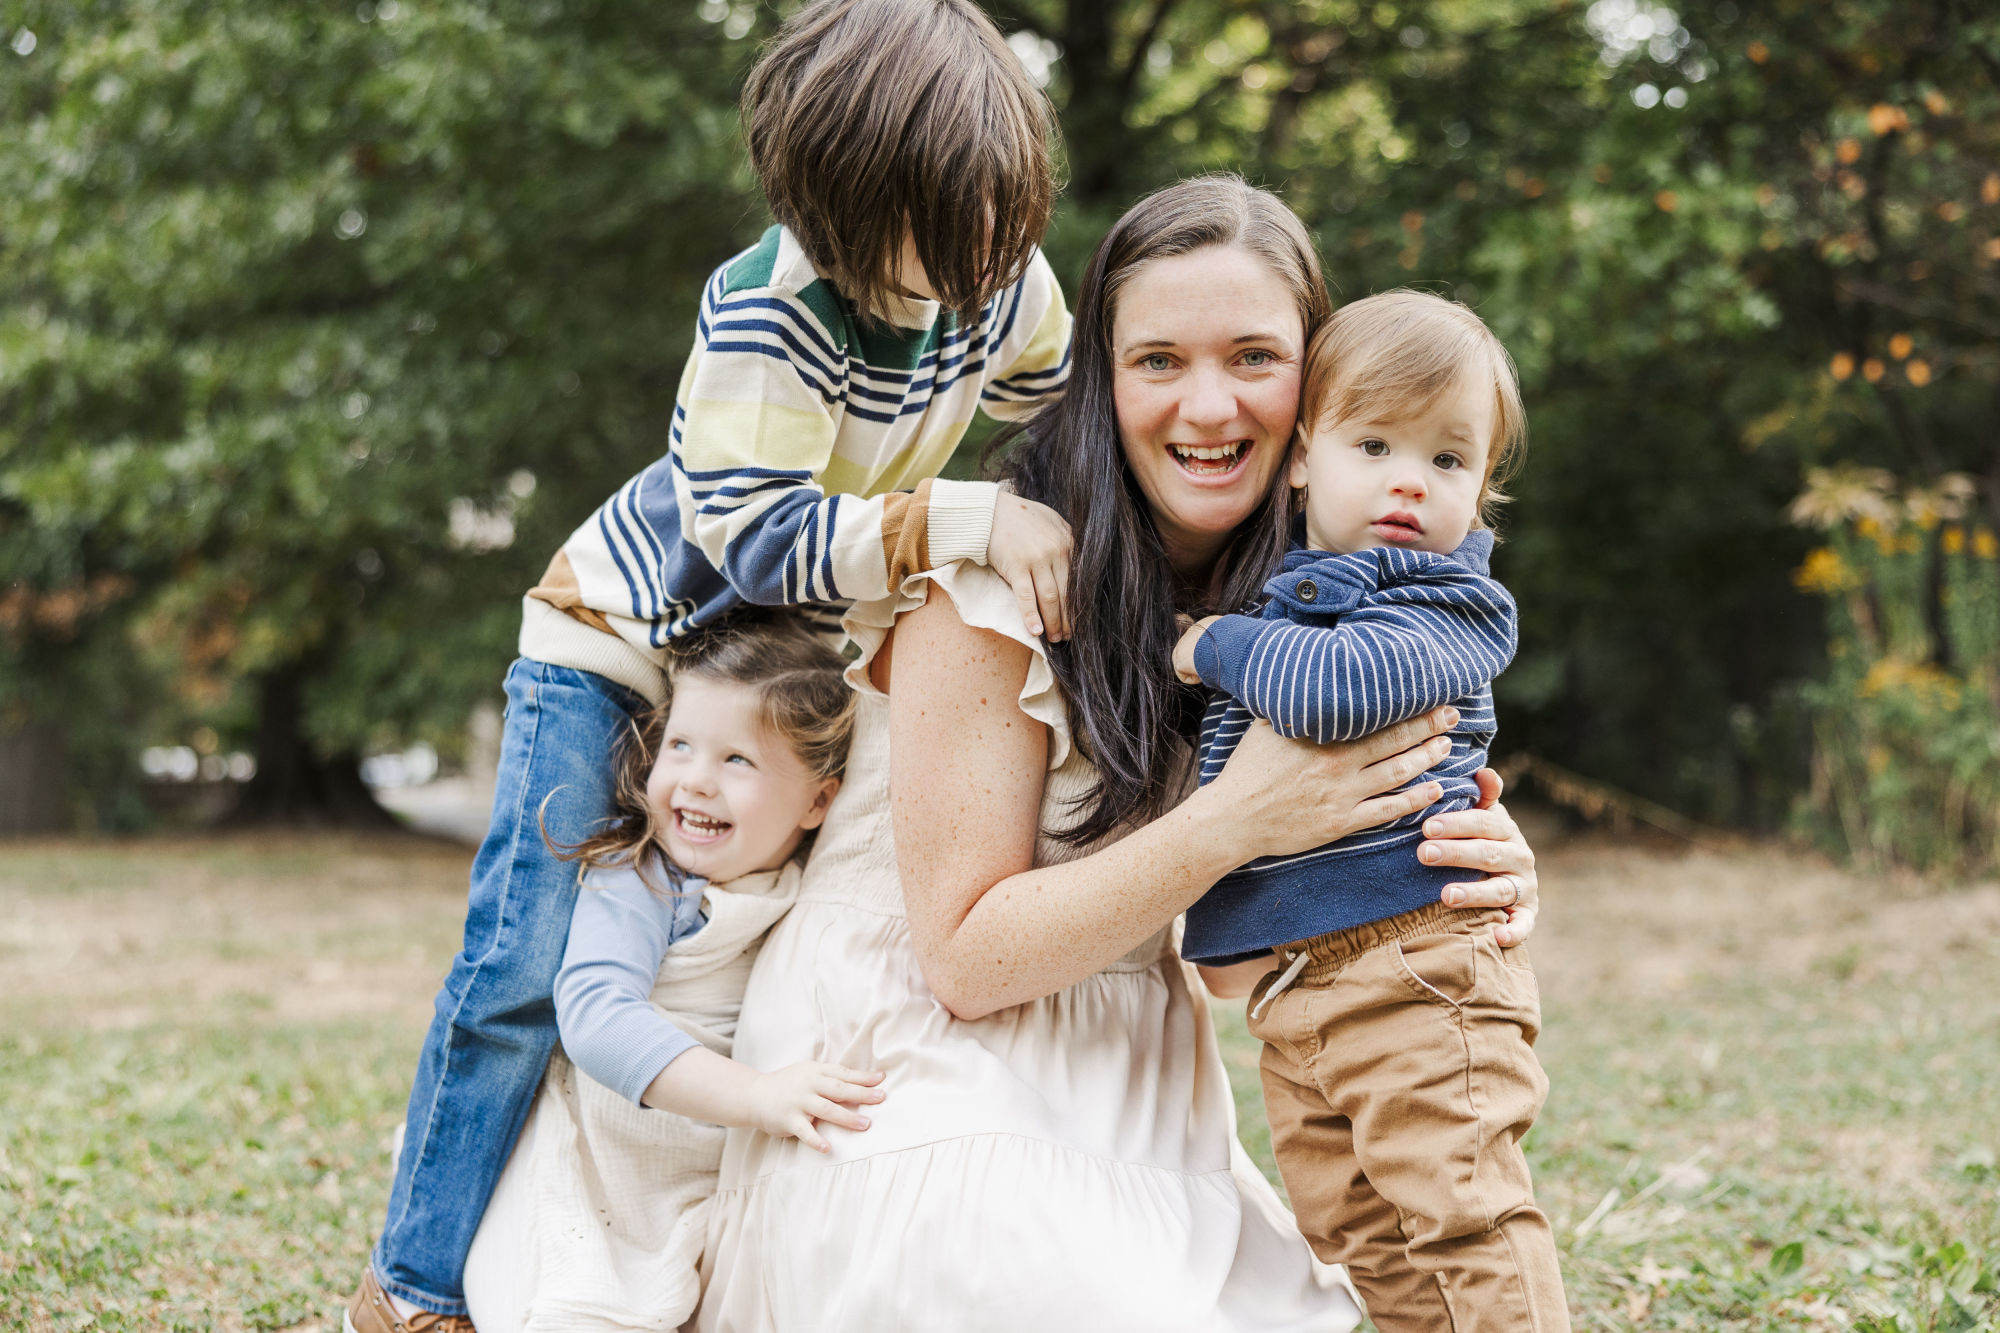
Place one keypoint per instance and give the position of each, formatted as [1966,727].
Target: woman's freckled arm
[966,784]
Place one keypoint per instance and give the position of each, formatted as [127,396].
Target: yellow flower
[1825,573]
[1983,544]
[1953,540]
[1926,685]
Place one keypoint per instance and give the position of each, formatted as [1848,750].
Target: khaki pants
[1400,1075]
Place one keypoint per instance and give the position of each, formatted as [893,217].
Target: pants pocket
[1442,968]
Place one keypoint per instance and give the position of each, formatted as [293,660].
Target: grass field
[1776,1092]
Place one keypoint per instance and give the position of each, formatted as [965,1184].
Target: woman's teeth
[1208,457]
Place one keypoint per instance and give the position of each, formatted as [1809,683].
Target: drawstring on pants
[1285,979]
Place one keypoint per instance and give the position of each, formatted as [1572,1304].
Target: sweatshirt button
[1308,590]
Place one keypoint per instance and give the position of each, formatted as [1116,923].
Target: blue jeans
[496,1020]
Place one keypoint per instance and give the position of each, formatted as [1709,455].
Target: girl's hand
[1486,838]
[1284,796]
[1184,650]
[786,1102]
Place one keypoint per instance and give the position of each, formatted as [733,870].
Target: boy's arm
[752,438]
[1390,659]
[1031,347]
[618,936]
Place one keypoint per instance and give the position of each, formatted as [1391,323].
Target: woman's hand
[1286,796]
[1486,838]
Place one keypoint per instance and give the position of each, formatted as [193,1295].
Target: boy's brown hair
[869,119]
[1392,355]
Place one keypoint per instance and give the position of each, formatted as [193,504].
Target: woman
[987,915]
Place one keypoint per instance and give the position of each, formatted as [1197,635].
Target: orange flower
[1885,119]
[1843,366]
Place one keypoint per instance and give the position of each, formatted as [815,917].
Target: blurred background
[322,325]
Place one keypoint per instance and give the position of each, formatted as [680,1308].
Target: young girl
[598,1219]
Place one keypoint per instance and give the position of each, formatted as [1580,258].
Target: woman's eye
[1374,448]
[1256,358]
[1158,361]
[1448,462]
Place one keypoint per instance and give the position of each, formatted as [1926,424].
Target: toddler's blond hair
[1391,356]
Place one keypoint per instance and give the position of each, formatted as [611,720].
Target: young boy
[837,363]
[1399,1070]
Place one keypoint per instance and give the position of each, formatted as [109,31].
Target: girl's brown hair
[1133,718]
[1390,356]
[868,119]
[806,703]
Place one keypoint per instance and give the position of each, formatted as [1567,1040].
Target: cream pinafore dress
[1070,1163]
[597,1222]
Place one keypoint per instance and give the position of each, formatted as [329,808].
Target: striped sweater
[800,461]
[1347,645]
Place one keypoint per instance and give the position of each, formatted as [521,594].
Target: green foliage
[1907,721]
[321,328]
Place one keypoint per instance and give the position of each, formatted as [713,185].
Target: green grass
[1776,1089]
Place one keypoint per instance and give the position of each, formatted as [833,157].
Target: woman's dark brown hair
[1132,717]
[806,704]
[869,119]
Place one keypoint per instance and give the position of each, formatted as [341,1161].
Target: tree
[303,315]
[319,329]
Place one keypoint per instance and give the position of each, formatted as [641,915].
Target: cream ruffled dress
[597,1221]
[1070,1163]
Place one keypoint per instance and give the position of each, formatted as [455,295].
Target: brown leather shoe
[371,1311]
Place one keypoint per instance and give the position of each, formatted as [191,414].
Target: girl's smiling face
[731,798]
[1205,350]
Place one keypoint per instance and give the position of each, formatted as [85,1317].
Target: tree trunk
[34,779]
[294,784]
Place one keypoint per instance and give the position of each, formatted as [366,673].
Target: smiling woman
[1205,374]
[1191,326]
[1055,1145]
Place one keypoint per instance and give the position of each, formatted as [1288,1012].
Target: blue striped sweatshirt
[1347,645]
[801,463]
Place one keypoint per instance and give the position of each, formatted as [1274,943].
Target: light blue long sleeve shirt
[619,934]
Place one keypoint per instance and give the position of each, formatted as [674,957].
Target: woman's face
[1205,350]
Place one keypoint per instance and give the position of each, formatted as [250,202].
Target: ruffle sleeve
[985,602]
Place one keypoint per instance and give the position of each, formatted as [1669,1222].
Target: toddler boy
[1398,1067]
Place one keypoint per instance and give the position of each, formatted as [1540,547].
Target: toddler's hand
[785,1102]
[1030,549]
[1184,650]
